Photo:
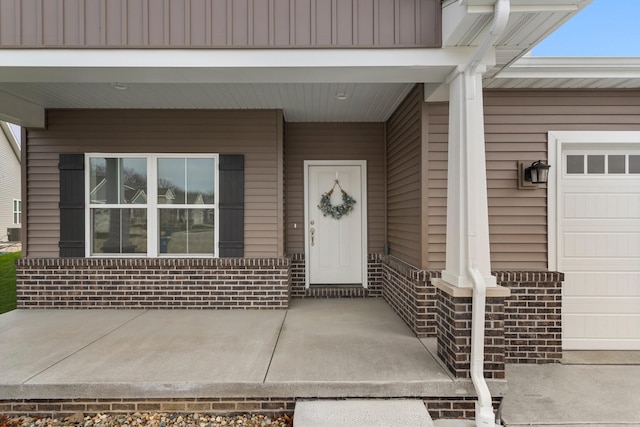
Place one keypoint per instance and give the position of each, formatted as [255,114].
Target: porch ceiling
[301,102]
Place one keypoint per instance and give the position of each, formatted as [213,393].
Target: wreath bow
[338,211]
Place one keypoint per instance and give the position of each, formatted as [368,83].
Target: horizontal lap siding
[437,184]
[252,133]
[516,126]
[334,141]
[220,23]
[404,187]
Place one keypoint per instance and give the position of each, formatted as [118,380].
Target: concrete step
[362,413]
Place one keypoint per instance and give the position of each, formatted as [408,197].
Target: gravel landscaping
[151,420]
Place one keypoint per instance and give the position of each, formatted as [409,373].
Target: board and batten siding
[405,232]
[516,126]
[255,134]
[334,141]
[220,23]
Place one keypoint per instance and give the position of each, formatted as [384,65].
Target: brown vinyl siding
[404,179]
[516,126]
[334,141]
[220,23]
[437,184]
[252,133]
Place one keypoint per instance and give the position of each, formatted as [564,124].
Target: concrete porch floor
[317,348]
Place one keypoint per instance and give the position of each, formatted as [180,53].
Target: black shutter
[231,172]
[72,229]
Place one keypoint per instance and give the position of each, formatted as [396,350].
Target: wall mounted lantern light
[530,177]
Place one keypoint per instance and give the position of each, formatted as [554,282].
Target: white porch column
[467,208]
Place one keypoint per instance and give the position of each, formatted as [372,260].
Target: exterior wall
[438,406]
[516,126]
[525,327]
[533,317]
[9,185]
[334,141]
[256,134]
[410,293]
[220,23]
[297,282]
[222,283]
[404,180]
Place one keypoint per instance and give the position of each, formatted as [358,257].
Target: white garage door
[599,247]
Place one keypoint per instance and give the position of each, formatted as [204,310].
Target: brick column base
[454,330]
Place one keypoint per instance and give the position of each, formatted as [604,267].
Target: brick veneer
[454,335]
[410,293]
[533,316]
[222,283]
[297,284]
[438,407]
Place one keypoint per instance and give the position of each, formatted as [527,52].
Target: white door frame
[363,207]
[580,139]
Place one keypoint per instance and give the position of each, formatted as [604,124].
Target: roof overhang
[464,23]
[8,134]
[302,82]
[569,72]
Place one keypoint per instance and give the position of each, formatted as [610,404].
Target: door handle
[312,233]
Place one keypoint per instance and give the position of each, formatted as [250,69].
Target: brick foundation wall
[297,289]
[533,316]
[454,335]
[59,408]
[410,293]
[222,283]
[438,407]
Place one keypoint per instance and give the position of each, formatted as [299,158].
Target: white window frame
[17,211]
[152,206]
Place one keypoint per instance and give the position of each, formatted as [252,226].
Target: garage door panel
[607,264]
[607,245]
[602,283]
[601,225]
[584,326]
[609,205]
[601,305]
[600,344]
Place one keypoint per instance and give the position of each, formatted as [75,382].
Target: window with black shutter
[193,207]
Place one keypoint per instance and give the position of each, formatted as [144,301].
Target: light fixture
[342,96]
[530,177]
[119,86]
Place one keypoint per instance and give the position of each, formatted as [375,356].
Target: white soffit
[568,72]
[464,23]
[301,102]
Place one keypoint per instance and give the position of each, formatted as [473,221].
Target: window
[17,211]
[602,164]
[152,205]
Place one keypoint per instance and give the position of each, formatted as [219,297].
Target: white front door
[599,245]
[335,247]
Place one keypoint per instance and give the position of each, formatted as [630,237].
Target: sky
[603,28]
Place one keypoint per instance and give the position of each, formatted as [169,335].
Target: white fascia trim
[231,65]
[572,67]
